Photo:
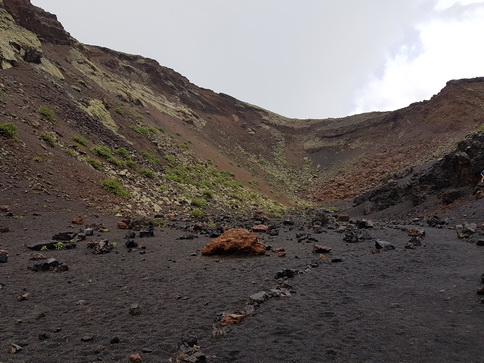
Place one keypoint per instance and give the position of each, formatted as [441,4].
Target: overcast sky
[299,58]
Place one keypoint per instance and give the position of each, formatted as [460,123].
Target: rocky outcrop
[38,21]
[450,178]
[16,43]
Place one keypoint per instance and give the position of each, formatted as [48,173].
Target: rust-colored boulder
[235,241]
[230,319]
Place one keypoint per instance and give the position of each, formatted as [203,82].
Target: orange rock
[229,319]
[321,249]
[260,228]
[135,358]
[235,241]
[77,220]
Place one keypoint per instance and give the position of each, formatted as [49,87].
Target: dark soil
[401,305]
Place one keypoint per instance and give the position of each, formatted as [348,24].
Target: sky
[301,59]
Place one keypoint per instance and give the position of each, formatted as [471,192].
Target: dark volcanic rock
[3,256]
[454,176]
[287,273]
[64,236]
[383,245]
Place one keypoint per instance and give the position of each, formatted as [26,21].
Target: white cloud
[449,48]
[446,4]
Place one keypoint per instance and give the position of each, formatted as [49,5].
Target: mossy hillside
[20,41]
[131,91]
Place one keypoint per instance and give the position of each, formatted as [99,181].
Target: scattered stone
[100,247]
[50,264]
[169,217]
[122,225]
[230,319]
[480,291]
[466,230]
[343,218]
[189,341]
[273,232]
[64,236]
[317,228]
[259,297]
[260,228]
[410,246]
[321,249]
[305,237]
[99,349]
[4,208]
[44,336]
[146,350]
[287,273]
[248,309]
[336,259]
[135,358]
[89,231]
[480,242]
[416,240]
[77,220]
[3,256]
[150,232]
[52,245]
[134,310]
[436,222]
[351,237]
[235,241]
[4,229]
[281,293]
[15,348]
[189,236]
[416,232]
[131,243]
[87,338]
[288,222]
[23,297]
[383,245]
[114,340]
[130,235]
[364,223]
[190,354]
[281,254]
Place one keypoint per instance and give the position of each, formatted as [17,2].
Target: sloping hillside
[121,132]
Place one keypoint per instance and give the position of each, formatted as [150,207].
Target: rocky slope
[454,178]
[120,132]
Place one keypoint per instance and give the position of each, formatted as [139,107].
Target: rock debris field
[79,287]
